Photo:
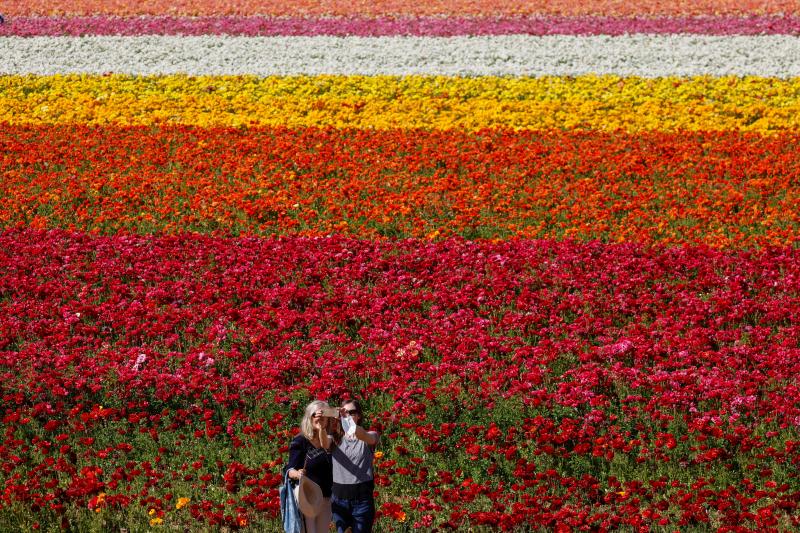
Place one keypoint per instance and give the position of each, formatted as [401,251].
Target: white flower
[645,55]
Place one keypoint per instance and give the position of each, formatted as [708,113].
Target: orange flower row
[722,189]
[476,8]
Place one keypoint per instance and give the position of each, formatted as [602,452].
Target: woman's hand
[318,421]
[296,474]
[332,425]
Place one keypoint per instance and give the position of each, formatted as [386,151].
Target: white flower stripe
[510,55]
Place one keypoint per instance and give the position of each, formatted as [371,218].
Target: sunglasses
[352,412]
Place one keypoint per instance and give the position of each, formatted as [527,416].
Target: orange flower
[724,190]
[182,502]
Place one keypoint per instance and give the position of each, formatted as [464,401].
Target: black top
[316,461]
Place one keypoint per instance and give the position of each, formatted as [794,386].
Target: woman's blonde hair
[305,425]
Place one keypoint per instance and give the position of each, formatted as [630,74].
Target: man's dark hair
[355,403]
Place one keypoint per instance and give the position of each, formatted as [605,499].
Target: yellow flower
[401,516]
[378,454]
[182,502]
[156,521]
[436,102]
[151,512]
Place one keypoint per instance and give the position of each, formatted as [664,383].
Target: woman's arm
[319,423]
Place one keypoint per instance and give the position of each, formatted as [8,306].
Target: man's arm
[369,437]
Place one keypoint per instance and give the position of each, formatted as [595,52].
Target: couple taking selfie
[329,474]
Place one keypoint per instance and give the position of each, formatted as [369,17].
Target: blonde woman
[309,456]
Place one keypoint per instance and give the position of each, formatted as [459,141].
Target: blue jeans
[357,514]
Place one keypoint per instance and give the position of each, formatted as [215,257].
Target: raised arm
[371,438]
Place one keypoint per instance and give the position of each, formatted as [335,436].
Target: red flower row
[527,382]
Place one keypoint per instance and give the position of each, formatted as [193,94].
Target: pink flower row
[386,26]
[378,8]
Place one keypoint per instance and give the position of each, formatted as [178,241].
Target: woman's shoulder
[299,441]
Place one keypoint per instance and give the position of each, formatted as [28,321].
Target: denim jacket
[290,512]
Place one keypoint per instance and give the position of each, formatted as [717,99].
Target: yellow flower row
[383,102]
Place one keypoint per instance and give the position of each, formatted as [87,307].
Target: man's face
[353,412]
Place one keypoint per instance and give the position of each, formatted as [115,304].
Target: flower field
[724,189]
[554,247]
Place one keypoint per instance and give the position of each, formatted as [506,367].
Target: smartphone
[331,412]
